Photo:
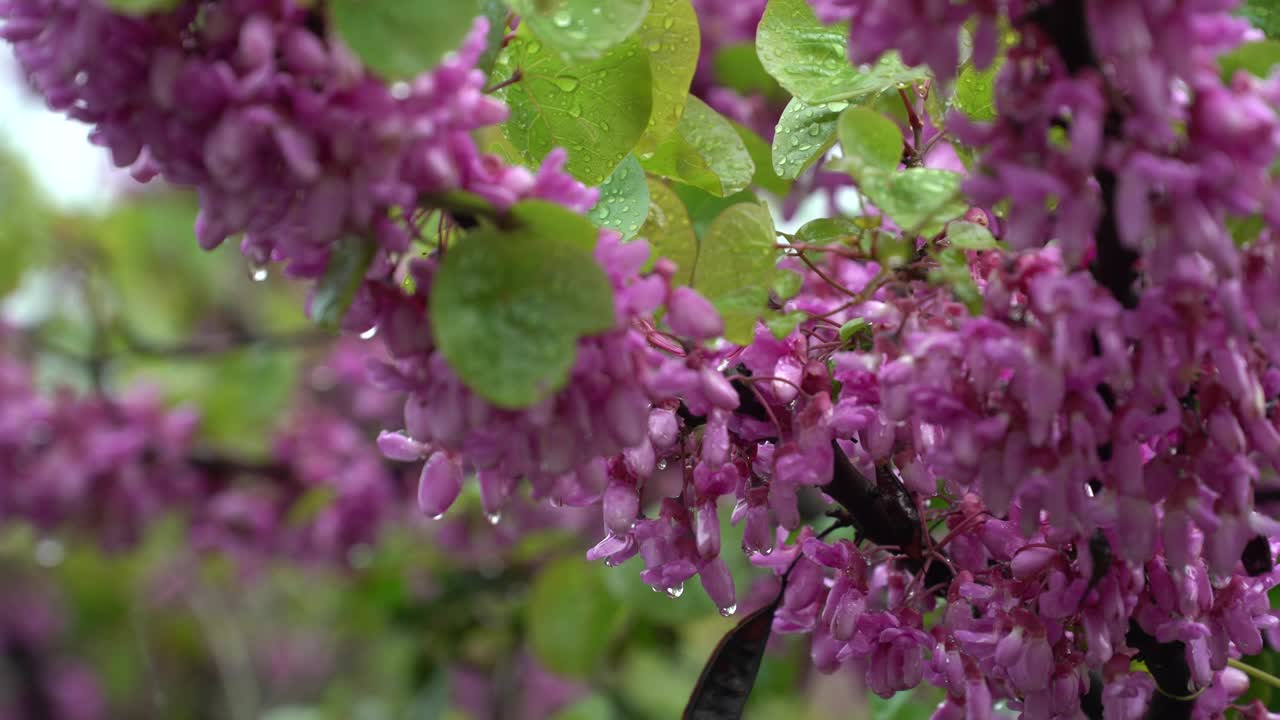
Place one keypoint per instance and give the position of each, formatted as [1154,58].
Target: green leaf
[828,230]
[737,265]
[918,200]
[584,29]
[1255,58]
[570,617]
[783,325]
[762,155]
[342,278]
[970,236]
[871,141]
[508,307]
[740,309]
[1264,14]
[592,707]
[670,232]
[704,207]
[787,284]
[671,37]
[975,91]
[853,328]
[496,11]
[804,133]
[705,151]
[595,109]
[811,60]
[738,68]
[142,7]
[953,271]
[624,199]
[401,40]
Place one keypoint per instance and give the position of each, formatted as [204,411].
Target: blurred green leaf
[870,141]
[737,67]
[970,236]
[571,618]
[592,707]
[401,40]
[737,264]
[1255,58]
[827,230]
[1264,14]
[670,232]
[765,178]
[920,200]
[333,295]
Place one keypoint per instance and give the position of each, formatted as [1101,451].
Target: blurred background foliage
[405,629]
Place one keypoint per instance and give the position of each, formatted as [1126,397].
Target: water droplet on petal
[727,611]
[662,464]
[493,517]
[368,334]
[437,517]
[676,591]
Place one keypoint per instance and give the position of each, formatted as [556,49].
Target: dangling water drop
[662,464]
[368,334]
[727,611]
[493,517]
[437,517]
[675,592]
[257,272]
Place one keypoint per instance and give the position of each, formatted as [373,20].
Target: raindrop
[668,23]
[493,517]
[727,611]
[437,517]
[257,272]
[561,19]
[603,213]
[662,464]
[676,591]
[368,334]
[567,84]
[575,111]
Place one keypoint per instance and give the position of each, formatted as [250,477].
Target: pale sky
[75,173]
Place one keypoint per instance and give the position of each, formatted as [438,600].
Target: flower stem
[1255,673]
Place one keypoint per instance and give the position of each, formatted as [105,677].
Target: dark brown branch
[885,513]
